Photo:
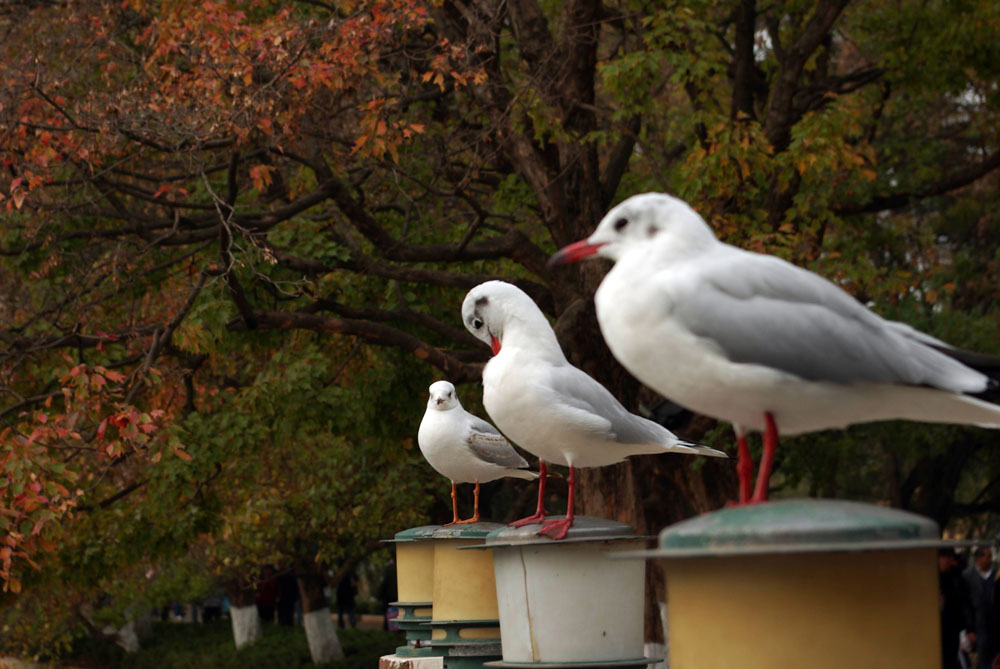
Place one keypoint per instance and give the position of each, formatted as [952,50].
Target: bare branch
[375,333]
[959,178]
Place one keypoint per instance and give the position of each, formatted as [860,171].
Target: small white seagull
[465,448]
[754,340]
[546,405]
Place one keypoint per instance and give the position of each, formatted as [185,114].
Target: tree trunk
[243,615]
[324,646]
[565,175]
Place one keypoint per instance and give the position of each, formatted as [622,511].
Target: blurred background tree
[236,236]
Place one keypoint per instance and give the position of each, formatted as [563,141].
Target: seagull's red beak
[494,344]
[577,251]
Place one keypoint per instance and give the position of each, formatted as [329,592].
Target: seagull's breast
[442,440]
[636,321]
[518,394]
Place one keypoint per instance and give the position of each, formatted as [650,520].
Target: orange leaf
[179,452]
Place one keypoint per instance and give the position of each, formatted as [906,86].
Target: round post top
[584,528]
[416,533]
[468,531]
[464,531]
[796,526]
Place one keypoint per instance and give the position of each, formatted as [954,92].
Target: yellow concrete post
[465,599]
[822,584]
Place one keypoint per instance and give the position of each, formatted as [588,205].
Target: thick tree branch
[369,266]
[959,178]
[743,61]
[108,501]
[617,163]
[779,117]
[456,370]
[513,244]
[403,313]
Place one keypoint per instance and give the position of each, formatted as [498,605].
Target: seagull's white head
[442,396]
[495,309]
[639,221]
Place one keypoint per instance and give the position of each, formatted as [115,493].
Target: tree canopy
[237,233]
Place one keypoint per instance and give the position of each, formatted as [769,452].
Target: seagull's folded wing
[486,442]
[762,310]
[592,406]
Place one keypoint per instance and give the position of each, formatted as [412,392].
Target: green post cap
[416,533]
[468,531]
[796,526]
[465,531]
[584,528]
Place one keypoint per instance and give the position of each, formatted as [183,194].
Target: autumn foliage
[235,235]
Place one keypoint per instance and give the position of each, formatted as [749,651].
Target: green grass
[210,646]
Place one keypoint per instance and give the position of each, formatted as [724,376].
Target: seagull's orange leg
[540,513]
[454,506]
[557,529]
[766,460]
[475,508]
[744,467]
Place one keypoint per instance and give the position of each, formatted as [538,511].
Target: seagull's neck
[532,333]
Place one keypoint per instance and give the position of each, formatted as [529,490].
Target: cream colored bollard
[566,603]
[415,588]
[824,584]
[465,625]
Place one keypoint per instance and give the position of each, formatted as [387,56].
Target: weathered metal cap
[584,528]
[638,662]
[415,533]
[795,526]
[467,531]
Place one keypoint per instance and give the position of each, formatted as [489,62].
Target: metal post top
[464,531]
[795,526]
[584,528]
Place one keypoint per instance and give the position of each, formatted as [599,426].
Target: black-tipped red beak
[577,251]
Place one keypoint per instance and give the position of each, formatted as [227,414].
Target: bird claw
[530,520]
[556,529]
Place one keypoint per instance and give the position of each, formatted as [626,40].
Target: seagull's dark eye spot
[620,224]
[477,323]
[651,232]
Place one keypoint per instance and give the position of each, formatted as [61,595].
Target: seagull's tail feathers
[649,437]
[971,411]
[916,403]
[695,449]
[523,474]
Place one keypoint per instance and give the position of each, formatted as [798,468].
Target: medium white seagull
[546,405]
[751,339]
[464,447]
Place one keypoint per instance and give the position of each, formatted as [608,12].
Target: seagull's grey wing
[577,390]
[760,309]
[486,442]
